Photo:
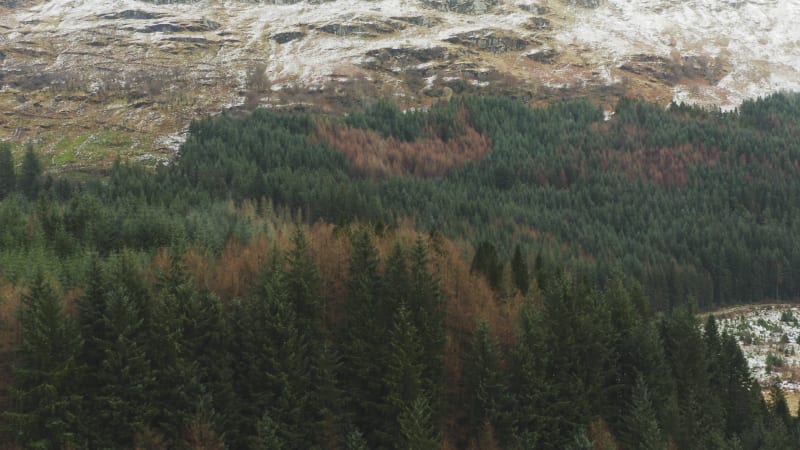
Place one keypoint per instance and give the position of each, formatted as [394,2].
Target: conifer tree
[355,441]
[363,338]
[177,393]
[123,400]
[642,430]
[303,285]
[30,171]
[276,364]
[519,268]
[45,402]
[8,178]
[404,377]
[427,312]
[416,426]
[486,387]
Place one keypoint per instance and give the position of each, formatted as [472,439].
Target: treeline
[377,353]
[689,202]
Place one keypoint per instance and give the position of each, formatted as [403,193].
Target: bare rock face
[364,27]
[463,6]
[495,41]
[590,4]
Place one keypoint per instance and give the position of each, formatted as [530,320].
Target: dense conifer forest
[479,275]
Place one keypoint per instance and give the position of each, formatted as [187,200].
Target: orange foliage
[9,335]
[238,267]
[376,157]
[663,165]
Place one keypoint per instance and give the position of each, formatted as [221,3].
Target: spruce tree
[488,401]
[641,429]
[123,400]
[30,171]
[275,365]
[417,427]
[519,269]
[45,410]
[355,441]
[303,285]
[363,338]
[404,377]
[177,395]
[427,309]
[8,178]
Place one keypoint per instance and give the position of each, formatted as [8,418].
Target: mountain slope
[89,79]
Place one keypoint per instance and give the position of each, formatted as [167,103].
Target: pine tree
[303,285]
[177,395]
[45,402]
[404,377]
[122,401]
[416,426]
[519,269]
[355,441]
[269,435]
[641,426]
[30,171]
[486,388]
[363,336]
[275,365]
[427,312]
[8,178]
[487,264]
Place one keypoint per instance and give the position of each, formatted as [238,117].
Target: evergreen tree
[404,377]
[303,285]
[416,426]
[700,423]
[355,441]
[45,409]
[8,178]
[427,312]
[486,388]
[641,425]
[519,269]
[276,364]
[269,435]
[122,401]
[363,335]
[30,172]
[487,264]
[177,394]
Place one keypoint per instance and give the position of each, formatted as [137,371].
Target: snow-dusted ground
[760,39]
[764,330]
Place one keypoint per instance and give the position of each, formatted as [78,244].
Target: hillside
[88,80]
[480,274]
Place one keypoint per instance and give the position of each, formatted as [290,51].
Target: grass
[89,147]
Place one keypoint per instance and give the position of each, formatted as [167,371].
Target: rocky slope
[89,79]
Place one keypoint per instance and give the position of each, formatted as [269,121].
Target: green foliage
[519,268]
[46,404]
[486,387]
[30,173]
[295,365]
[772,361]
[8,179]
[642,428]
[417,428]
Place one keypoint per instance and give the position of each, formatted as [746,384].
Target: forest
[481,274]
